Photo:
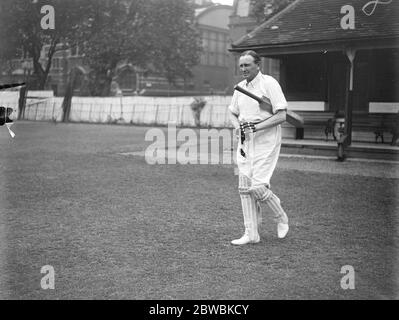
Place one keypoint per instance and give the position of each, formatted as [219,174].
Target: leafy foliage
[149,34]
[196,106]
[109,34]
[21,34]
[177,43]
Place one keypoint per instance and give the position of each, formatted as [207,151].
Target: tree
[265,9]
[22,35]
[113,31]
[177,45]
[150,34]
[154,34]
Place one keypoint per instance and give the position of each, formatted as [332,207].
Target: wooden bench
[375,123]
[378,124]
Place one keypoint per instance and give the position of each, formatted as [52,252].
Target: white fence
[42,106]
[135,110]
[44,109]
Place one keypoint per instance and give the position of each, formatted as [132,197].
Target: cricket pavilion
[336,58]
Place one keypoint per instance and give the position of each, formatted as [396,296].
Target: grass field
[114,227]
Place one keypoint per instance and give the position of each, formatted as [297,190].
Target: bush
[196,106]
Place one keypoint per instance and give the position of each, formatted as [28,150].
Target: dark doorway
[337,84]
[304,77]
[361,82]
[384,86]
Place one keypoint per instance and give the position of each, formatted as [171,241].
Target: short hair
[253,54]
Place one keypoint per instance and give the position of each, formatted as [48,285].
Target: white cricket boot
[245,240]
[282,230]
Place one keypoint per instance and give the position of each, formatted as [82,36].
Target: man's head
[249,64]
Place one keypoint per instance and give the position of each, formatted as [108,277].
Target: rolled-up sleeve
[276,95]
[233,107]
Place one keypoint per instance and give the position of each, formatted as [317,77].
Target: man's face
[249,69]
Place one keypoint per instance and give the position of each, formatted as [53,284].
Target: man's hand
[247,127]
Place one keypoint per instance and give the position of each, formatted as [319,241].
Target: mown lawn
[114,227]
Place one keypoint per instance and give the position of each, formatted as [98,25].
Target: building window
[74,50]
[214,46]
[212,58]
[221,59]
[56,63]
[221,46]
[204,58]
[243,7]
[45,50]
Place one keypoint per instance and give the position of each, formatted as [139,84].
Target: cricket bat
[293,118]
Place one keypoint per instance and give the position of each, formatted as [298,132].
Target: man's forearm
[273,121]
[234,120]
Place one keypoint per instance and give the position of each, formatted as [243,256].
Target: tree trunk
[67,102]
[39,77]
[106,87]
[22,101]
[40,73]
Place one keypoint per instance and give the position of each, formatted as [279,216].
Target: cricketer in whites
[259,134]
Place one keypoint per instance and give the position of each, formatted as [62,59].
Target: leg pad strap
[244,184]
[261,193]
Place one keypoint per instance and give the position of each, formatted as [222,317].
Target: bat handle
[249,94]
